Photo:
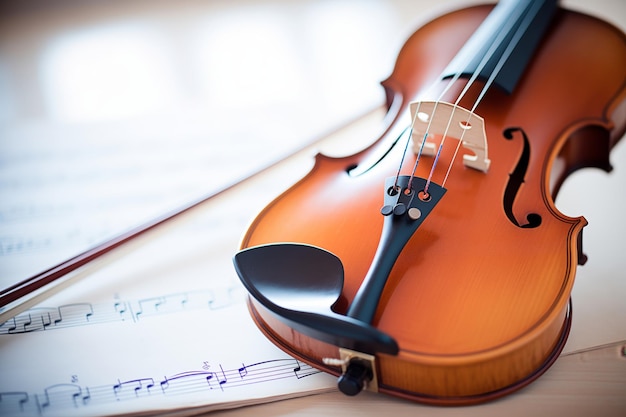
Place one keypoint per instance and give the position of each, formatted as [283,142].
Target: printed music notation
[84,313]
[69,397]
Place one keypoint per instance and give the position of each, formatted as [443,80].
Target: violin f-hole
[516,179]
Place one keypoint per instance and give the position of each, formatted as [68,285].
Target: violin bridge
[440,118]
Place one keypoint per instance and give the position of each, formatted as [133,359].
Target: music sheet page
[160,325]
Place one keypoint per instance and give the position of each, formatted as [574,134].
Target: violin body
[478,299]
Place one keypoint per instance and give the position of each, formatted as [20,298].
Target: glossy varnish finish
[477,303]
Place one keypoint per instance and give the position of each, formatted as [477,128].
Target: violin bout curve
[437,381]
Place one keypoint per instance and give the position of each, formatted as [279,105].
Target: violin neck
[502,46]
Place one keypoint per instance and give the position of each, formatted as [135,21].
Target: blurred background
[112,112]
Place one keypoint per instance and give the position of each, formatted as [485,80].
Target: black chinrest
[299,283]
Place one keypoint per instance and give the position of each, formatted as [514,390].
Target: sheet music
[162,326]
[203,379]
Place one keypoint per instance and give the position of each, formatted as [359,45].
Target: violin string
[421,149]
[505,55]
[408,141]
[406,147]
[508,51]
[484,61]
[490,52]
[519,32]
[495,44]
[456,76]
[449,85]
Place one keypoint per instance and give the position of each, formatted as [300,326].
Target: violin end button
[354,379]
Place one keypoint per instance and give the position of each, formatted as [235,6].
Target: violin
[433,265]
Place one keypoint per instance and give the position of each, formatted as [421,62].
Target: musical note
[243,371]
[163,304]
[303,373]
[82,314]
[87,396]
[77,311]
[222,380]
[63,396]
[122,308]
[150,306]
[12,403]
[135,386]
[42,318]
